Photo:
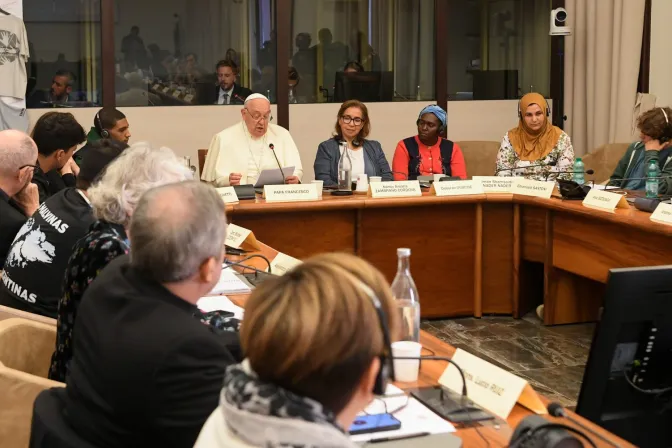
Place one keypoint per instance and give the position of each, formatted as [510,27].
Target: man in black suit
[228,92]
[19,197]
[144,371]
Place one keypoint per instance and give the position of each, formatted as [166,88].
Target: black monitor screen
[364,86]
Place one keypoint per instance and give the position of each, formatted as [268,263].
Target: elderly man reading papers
[239,154]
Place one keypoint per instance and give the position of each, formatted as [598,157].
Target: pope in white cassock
[238,154]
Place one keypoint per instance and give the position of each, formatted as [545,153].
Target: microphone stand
[272,147]
[551,164]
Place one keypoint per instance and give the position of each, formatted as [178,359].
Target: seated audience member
[56,135]
[18,195]
[60,93]
[367,156]
[107,123]
[44,243]
[353,67]
[145,373]
[239,153]
[113,200]
[228,92]
[428,153]
[303,382]
[535,142]
[656,132]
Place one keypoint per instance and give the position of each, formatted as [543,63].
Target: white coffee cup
[362,182]
[373,179]
[319,184]
[406,370]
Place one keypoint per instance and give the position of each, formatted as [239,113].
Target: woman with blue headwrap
[428,153]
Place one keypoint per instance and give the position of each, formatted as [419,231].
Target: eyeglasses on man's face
[34,167]
[260,117]
[347,119]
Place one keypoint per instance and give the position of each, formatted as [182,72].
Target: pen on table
[400,437]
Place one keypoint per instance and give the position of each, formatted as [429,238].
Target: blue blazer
[329,154]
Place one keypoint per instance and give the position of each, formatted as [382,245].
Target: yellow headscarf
[533,145]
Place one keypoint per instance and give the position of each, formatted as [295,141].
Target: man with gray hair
[19,197]
[144,372]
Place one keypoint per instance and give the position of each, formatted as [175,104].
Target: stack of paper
[219,303]
[415,417]
[229,283]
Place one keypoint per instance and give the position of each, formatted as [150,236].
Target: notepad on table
[229,283]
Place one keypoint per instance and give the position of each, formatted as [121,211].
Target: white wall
[661,62]
[188,129]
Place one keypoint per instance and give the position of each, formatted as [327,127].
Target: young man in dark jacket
[108,123]
[655,127]
[57,135]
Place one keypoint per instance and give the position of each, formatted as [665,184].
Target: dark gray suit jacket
[329,154]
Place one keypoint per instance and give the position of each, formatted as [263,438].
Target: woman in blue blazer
[367,156]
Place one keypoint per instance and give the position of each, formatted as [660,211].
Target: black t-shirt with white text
[36,262]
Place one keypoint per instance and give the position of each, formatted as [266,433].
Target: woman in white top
[303,382]
[367,156]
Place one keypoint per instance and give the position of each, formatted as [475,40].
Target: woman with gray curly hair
[113,199]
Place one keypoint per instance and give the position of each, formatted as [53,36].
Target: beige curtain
[601,70]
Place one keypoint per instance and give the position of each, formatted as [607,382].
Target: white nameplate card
[156,86]
[530,187]
[400,189]
[495,184]
[290,193]
[456,188]
[166,90]
[283,263]
[663,214]
[177,94]
[603,200]
[241,238]
[228,194]
[189,98]
[489,386]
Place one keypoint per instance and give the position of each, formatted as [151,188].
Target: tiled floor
[552,359]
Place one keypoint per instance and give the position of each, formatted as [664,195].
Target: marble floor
[552,359]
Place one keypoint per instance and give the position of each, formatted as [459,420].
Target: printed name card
[290,193]
[283,263]
[189,98]
[166,89]
[400,189]
[603,200]
[530,187]
[663,214]
[495,184]
[177,94]
[490,386]
[456,188]
[241,238]
[228,194]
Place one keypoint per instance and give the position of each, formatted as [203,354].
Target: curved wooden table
[473,255]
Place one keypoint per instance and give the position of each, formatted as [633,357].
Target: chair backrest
[604,159]
[480,157]
[8,313]
[18,391]
[202,154]
[27,345]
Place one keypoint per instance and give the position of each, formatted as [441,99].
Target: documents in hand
[274,177]
[219,303]
[415,417]
[229,283]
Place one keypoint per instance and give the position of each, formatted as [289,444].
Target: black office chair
[49,428]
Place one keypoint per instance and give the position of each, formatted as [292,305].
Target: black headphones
[548,108]
[667,134]
[386,372]
[99,126]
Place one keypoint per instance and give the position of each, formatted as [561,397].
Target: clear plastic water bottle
[345,169]
[406,296]
[579,169]
[652,179]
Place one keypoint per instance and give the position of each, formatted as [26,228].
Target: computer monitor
[627,385]
[364,86]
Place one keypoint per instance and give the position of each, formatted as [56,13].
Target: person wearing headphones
[535,149]
[428,153]
[303,383]
[367,156]
[655,144]
[107,123]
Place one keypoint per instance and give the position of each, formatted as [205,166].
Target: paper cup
[319,184]
[373,179]
[406,370]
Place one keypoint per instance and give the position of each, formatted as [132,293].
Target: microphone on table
[272,148]
[240,263]
[239,98]
[551,163]
[556,410]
